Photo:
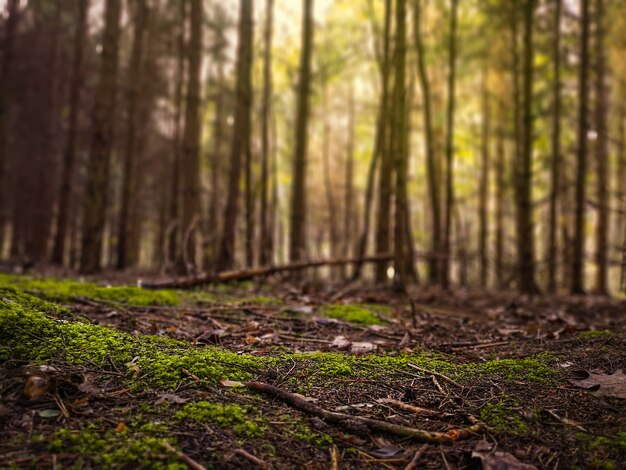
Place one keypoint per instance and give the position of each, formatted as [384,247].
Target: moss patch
[33,330]
[595,334]
[230,416]
[63,290]
[357,314]
[503,417]
[110,449]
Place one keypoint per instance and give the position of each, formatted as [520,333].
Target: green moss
[358,314]
[502,416]
[109,449]
[230,416]
[595,334]
[534,369]
[31,330]
[303,432]
[63,290]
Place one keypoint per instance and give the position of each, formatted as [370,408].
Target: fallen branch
[361,423]
[247,274]
[251,458]
[191,463]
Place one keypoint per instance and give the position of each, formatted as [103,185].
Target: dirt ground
[504,382]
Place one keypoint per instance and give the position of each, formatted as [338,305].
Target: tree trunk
[484,187]
[603,224]
[379,144]
[265,253]
[621,194]
[297,242]
[555,183]
[523,183]
[241,140]
[578,250]
[333,213]
[5,71]
[349,222]
[400,149]
[69,154]
[386,163]
[500,200]
[95,199]
[126,230]
[429,142]
[175,200]
[445,270]
[190,161]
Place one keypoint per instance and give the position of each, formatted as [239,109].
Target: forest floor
[270,376]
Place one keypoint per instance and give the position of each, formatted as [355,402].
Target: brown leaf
[341,342]
[501,461]
[362,348]
[171,399]
[604,385]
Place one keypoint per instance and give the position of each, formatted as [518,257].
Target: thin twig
[355,422]
[436,374]
[191,463]
[251,458]
[415,460]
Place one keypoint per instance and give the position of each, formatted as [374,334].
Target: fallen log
[247,274]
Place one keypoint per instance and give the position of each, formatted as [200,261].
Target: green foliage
[303,432]
[230,416]
[358,314]
[110,449]
[502,416]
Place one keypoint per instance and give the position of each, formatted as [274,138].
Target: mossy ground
[206,416]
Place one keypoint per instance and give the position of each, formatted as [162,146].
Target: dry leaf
[171,399]
[604,385]
[362,348]
[231,383]
[501,461]
[341,342]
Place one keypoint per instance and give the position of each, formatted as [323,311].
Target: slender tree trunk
[126,229]
[400,149]
[500,201]
[348,215]
[523,184]
[265,253]
[333,213]
[12,8]
[297,242]
[429,142]
[69,154]
[174,241]
[445,270]
[386,164]
[578,250]
[241,140]
[484,187]
[621,195]
[95,199]
[190,157]
[380,139]
[603,225]
[555,183]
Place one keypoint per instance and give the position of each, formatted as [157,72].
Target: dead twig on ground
[191,463]
[251,458]
[435,374]
[355,422]
[416,458]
